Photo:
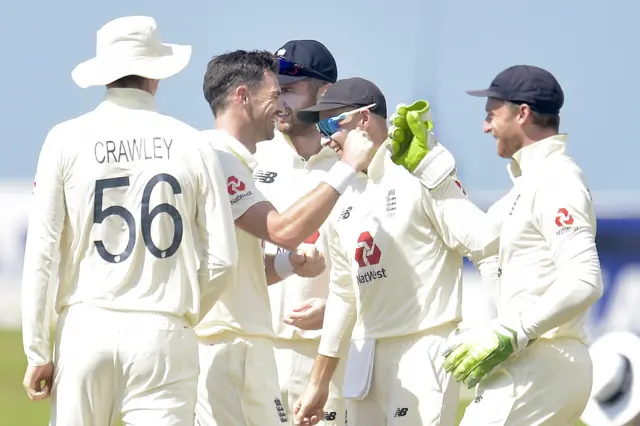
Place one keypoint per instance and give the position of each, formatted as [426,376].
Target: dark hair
[129,82]
[230,70]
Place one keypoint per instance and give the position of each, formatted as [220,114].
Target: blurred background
[430,49]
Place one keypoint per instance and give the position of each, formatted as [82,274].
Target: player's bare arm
[290,228]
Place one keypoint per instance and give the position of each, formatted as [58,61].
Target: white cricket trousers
[295,358]
[141,368]
[548,384]
[238,383]
[409,387]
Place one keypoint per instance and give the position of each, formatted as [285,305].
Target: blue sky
[431,49]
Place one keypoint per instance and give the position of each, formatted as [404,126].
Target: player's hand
[307,261]
[472,355]
[357,148]
[38,381]
[309,315]
[309,408]
[409,134]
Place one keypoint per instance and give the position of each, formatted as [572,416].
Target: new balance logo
[330,416]
[264,177]
[401,412]
[368,254]
[345,213]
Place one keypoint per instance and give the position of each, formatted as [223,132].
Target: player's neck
[235,128]
[307,145]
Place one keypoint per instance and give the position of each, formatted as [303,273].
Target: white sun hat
[615,394]
[130,46]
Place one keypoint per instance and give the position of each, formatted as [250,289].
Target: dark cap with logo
[306,59]
[351,92]
[526,84]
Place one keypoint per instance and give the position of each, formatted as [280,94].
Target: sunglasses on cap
[331,125]
[296,70]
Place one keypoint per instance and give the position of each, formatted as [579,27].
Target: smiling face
[265,106]
[504,122]
[296,96]
[350,122]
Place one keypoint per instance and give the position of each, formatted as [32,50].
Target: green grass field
[15,408]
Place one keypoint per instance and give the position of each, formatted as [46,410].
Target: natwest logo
[563,218]
[236,187]
[368,254]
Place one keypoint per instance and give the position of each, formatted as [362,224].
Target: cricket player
[531,363]
[289,166]
[132,204]
[396,246]
[238,378]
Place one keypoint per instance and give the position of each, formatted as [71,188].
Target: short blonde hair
[544,121]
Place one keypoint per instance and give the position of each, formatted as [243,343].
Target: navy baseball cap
[526,84]
[352,92]
[300,59]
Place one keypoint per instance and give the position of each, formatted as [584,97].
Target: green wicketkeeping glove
[409,133]
[474,354]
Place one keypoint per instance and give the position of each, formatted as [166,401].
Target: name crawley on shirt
[132,150]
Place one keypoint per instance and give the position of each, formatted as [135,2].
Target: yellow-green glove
[409,134]
[473,355]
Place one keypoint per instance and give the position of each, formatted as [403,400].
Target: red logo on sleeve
[313,238]
[563,218]
[234,185]
[367,252]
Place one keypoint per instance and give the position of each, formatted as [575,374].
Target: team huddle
[301,262]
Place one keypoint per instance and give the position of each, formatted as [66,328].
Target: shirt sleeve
[340,310]
[461,224]
[216,229]
[46,221]
[240,187]
[563,213]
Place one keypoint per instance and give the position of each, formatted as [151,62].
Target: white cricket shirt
[397,251]
[243,308]
[134,203]
[284,177]
[547,242]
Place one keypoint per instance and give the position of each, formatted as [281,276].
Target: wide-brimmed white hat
[615,395]
[131,46]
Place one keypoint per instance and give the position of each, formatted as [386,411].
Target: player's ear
[365,119]
[241,95]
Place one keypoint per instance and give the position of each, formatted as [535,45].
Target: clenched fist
[307,261]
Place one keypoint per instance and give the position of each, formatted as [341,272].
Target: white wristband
[282,264]
[340,176]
